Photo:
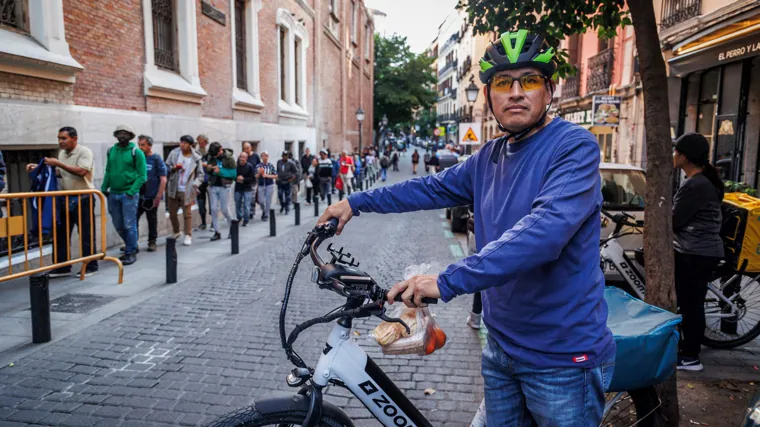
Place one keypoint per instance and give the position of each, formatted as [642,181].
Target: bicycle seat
[345,274]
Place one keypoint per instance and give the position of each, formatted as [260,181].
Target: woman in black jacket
[246,174]
[698,246]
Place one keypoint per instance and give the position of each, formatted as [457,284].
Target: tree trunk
[658,229]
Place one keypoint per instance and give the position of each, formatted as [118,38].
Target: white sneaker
[188,241]
[473,320]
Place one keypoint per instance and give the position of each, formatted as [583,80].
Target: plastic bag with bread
[424,336]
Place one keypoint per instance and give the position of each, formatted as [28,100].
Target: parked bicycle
[732,305]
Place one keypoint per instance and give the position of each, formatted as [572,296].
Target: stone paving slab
[197,349]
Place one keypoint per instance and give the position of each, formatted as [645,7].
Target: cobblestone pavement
[210,344]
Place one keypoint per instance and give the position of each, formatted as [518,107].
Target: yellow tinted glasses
[528,83]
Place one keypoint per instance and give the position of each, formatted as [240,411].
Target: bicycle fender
[298,402]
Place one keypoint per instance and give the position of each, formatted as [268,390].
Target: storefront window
[708,98]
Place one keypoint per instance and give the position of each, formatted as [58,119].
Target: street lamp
[472,92]
[382,134]
[360,119]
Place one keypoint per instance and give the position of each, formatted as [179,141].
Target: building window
[283,64]
[246,90]
[12,14]
[171,50]
[298,73]
[353,21]
[367,42]
[293,40]
[163,34]
[289,146]
[240,45]
[334,7]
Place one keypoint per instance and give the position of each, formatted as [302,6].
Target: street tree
[404,81]
[557,19]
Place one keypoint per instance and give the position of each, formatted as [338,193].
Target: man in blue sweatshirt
[537,199]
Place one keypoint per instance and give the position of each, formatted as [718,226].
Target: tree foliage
[404,81]
[554,19]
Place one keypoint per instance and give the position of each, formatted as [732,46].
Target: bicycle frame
[632,273]
[343,360]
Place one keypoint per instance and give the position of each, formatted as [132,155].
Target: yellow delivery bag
[740,231]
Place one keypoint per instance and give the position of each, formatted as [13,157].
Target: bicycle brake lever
[395,320]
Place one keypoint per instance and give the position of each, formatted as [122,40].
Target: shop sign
[606,110]
[578,117]
[748,49]
[469,133]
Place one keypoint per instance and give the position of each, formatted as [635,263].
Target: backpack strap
[134,156]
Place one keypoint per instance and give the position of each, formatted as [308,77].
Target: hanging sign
[606,110]
[469,133]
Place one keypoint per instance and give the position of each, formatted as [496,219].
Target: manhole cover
[79,303]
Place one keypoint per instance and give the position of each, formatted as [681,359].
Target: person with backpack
[124,176]
[287,174]
[295,188]
[324,174]
[246,175]
[415,161]
[222,170]
[394,160]
[152,192]
[384,163]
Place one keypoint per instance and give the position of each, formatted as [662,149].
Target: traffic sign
[469,133]
[436,132]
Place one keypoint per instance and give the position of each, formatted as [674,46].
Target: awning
[719,47]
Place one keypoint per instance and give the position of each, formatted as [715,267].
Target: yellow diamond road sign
[469,133]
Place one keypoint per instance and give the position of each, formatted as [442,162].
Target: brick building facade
[283,74]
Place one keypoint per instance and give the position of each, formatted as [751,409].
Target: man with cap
[287,172]
[125,174]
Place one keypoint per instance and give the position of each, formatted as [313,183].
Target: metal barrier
[11,226]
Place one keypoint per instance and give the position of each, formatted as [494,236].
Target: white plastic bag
[424,337]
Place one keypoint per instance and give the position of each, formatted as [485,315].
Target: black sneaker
[689,364]
[264,217]
[202,227]
[245,223]
[216,236]
[88,273]
[60,272]
[128,259]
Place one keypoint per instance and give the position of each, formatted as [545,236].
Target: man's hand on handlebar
[413,290]
[341,210]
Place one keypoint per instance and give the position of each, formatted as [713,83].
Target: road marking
[448,234]
[456,250]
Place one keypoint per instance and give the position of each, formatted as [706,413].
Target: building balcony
[677,11]
[451,65]
[571,87]
[600,71]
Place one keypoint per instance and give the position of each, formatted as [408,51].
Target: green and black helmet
[517,49]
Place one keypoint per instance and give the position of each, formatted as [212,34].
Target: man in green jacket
[125,174]
[222,171]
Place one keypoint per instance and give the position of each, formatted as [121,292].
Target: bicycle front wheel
[283,412]
[744,324]
[634,408]
[250,417]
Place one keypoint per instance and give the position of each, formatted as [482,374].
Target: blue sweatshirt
[537,225]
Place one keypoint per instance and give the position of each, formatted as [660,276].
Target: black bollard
[329,198]
[316,206]
[297,209]
[171,260]
[272,224]
[340,195]
[39,295]
[235,236]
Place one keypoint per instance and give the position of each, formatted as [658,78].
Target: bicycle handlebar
[325,231]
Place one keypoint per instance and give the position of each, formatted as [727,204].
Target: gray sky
[418,20]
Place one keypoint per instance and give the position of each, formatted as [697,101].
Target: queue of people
[196,173]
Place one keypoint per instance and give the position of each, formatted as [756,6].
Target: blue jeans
[283,194]
[243,205]
[385,173]
[123,210]
[265,198]
[518,395]
[218,196]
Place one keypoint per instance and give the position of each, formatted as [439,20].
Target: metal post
[171,260]
[329,198]
[235,236]
[272,224]
[39,295]
[297,209]
[316,206]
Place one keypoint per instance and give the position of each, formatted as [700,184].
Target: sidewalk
[76,304]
